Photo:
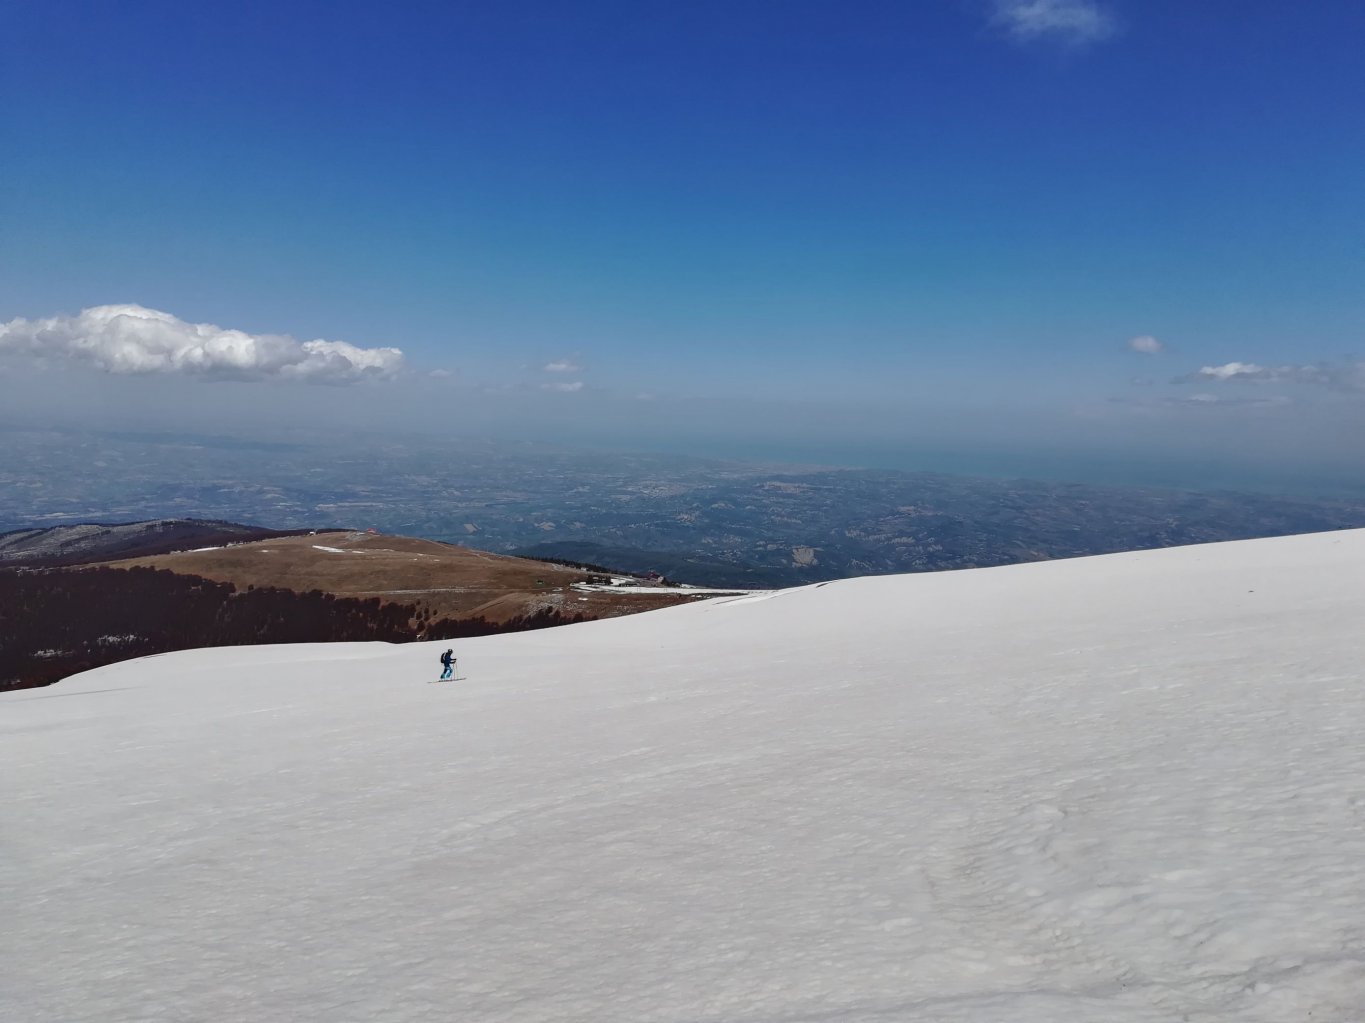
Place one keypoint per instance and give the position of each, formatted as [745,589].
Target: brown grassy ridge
[55,622]
[445,580]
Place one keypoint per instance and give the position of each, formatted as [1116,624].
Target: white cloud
[1146,344]
[1205,400]
[1076,22]
[1201,400]
[1346,377]
[566,386]
[441,374]
[134,339]
[562,366]
[1235,371]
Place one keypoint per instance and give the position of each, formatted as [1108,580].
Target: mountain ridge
[87,542]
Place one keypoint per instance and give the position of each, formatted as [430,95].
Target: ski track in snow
[1128,788]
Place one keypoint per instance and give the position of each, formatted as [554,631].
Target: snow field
[1128,788]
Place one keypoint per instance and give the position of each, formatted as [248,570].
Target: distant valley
[700,521]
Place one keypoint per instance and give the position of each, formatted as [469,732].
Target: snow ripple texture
[1128,788]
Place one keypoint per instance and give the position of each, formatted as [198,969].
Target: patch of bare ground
[445,580]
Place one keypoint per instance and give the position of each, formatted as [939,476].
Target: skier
[447,665]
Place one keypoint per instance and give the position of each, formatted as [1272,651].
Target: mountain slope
[82,544]
[695,569]
[1122,788]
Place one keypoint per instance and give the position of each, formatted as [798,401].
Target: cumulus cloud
[564,386]
[1348,376]
[1146,344]
[1075,22]
[562,366]
[134,339]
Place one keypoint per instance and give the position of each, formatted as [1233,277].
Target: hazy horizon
[1071,239]
[1099,467]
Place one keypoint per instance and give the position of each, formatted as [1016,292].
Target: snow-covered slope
[1127,788]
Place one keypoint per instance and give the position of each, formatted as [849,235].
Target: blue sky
[833,227]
